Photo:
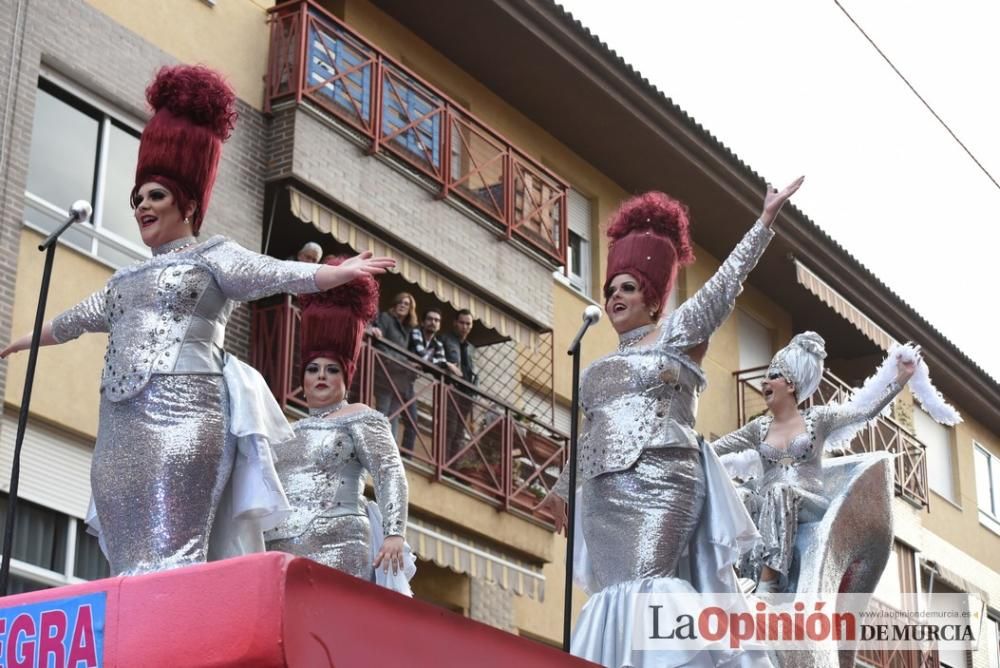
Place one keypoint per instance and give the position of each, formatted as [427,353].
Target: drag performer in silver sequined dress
[789,444]
[324,467]
[164,448]
[180,420]
[656,513]
[323,472]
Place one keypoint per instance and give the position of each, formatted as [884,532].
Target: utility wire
[919,96]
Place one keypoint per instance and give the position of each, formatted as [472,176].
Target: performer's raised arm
[697,318]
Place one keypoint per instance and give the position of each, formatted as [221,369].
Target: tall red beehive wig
[193,113]
[333,322]
[649,239]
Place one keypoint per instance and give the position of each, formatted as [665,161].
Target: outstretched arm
[87,316]
[245,276]
[858,411]
[24,342]
[698,317]
[747,437]
[330,276]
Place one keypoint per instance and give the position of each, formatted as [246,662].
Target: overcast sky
[792,86]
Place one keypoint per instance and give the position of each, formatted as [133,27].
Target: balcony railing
[315,56]
[894,657]
[459,433]
[883,433]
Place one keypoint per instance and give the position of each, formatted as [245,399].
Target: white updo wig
[801,363]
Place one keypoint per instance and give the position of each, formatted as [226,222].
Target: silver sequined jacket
[168,315]
[323,468]
[646,396]
[801,462]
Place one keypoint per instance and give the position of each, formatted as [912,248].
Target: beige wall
[67,377]
[959,524]
[231,37]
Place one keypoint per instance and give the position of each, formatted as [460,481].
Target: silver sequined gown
[164,452]
[640,467]
[323,472]
[791,488]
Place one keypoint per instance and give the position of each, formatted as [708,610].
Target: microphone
[591,315]
[80,211]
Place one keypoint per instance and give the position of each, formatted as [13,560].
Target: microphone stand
[49,246]
[574,419]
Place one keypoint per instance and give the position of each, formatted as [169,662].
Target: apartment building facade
[481,144]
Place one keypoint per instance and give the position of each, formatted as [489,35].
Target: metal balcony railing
[459,432]
[314,56]
[883,433]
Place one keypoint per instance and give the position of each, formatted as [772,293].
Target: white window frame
[579,281]
[93,229]
[50,578]
[990,518]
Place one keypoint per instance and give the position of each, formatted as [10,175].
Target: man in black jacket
[461,358]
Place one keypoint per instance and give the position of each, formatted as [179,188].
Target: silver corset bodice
[646,396]
[322,471]
[636,399]
[168,315]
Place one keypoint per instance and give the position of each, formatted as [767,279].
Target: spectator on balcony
[325,465]
[461,358]
[310,252]
[393,379]
[789,444]
[657,511]
[427,345]
[171,400]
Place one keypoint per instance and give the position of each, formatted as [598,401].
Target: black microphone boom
[78,213]
[591,315]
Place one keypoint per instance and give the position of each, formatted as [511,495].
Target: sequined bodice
[168,315]
[166,319]
[635,399]
[323,471]
[800,462]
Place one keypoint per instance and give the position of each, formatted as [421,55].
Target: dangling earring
[187,221]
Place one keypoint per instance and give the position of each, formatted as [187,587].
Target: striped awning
[465,555]
[344,231]
[816,285]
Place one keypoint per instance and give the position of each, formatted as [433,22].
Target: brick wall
[490,604]
[400,205]
[115,65]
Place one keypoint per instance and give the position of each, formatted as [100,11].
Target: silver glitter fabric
[643,397]
[168,315]
[158,471]
[163,451]
[791,489]
[323,470]
[638,522]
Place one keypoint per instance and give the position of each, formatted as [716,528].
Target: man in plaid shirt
[427,345]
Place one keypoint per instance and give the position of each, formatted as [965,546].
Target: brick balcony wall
[309,148]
